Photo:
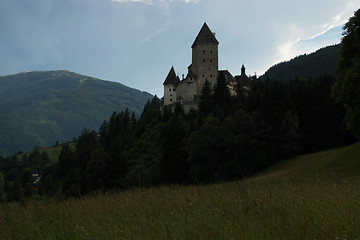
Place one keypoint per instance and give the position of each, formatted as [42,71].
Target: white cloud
[186,1]
[149,2]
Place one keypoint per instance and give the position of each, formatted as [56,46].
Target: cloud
[111,39]
[186,1]
[149,2]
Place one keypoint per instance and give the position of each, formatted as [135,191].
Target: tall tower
[205,58]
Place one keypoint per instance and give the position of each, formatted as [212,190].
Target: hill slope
[40,108]
[323,61]
[313,196]
[336,163]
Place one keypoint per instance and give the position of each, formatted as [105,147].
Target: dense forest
[229,137]
[323,61]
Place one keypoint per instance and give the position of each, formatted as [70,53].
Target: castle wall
[186,90]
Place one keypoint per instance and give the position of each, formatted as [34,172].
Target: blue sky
[135,42]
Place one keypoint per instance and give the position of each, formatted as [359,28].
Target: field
[313,196]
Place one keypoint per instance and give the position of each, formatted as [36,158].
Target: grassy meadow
[314,196]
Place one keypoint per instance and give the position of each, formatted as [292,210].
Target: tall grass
[281,204]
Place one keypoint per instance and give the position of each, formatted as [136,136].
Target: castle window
[211,75]
[204,51]
[170,99]
[210,60]
[204,60]
[210,51]
[203,75]
[174,89]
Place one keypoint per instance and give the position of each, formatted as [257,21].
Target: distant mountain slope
[312,65]
[40,108]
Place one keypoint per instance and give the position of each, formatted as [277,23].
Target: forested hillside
[228,138]
[41,108]
[323,61]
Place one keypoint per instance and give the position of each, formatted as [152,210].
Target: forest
[227,138]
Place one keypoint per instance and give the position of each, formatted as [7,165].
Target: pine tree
[206,102]
[221,95]
[347,85]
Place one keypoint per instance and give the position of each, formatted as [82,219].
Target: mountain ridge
[322,61]
[42,107]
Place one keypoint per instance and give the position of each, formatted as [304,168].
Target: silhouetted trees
[347,85]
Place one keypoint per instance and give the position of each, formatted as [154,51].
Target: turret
[243,70]
[170,85]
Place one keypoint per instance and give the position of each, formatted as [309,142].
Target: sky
[136,42]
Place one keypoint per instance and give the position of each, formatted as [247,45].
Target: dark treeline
[229,137]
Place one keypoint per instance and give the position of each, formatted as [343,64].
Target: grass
[314,196]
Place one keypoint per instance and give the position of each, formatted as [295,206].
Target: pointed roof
[205,36]
[243,70]
[171,78]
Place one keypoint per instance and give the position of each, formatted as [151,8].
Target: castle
[204,67]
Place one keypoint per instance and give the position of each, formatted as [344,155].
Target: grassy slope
[336,163]
[315,196]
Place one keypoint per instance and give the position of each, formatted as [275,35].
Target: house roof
[243,80]
[205,36]
[190,74]
[229,77]
[171,78]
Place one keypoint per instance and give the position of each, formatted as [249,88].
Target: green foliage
[347,85]
[206,101]
[40,108]
[173,161]
[207,152]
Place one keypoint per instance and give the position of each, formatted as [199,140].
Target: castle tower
[204,58]
[170,85]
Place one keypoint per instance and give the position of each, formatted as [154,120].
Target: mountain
[323,61]
[40,108]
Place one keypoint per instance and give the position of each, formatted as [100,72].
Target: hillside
[339,163]
[323,61]
[40,108]
[313,196]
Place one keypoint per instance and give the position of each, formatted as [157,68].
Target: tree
[221,94]
[206,151]
[206,104]
[173,162]
[347,85]
[2,188]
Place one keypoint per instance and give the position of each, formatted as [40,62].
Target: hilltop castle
[204,67]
